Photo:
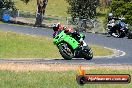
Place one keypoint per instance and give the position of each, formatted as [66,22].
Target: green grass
[54,11]
[13,45]
[45,79]
[54,7]
[100,51]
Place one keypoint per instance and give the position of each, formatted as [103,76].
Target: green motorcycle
[70,48]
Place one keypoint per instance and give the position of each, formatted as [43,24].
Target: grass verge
[13,45]
[46,79]
[53,8]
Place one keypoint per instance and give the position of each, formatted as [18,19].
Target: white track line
[117,53]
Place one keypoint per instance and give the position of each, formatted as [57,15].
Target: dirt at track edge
[58,67]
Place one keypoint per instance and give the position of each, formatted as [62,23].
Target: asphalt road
[122,44]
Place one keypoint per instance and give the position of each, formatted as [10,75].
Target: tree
[8,4]
[82,8]
[105,3]
[122,8]
[41,6]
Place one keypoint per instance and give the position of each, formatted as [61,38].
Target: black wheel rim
[66,50]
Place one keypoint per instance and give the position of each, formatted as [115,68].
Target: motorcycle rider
[57,27]
[111,17]
[112,24]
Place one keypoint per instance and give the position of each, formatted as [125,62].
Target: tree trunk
[41,6]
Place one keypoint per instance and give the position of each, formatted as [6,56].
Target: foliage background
[82,8]
[122,8]
[8,4]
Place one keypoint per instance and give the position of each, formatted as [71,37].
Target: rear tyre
[65,51]
[88,54]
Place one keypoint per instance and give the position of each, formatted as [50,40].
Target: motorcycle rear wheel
[88,54]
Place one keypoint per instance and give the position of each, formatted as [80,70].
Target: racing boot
[82,42]
[115,35]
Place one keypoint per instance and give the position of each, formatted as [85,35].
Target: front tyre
[129,34]
[65,51]
[121,35]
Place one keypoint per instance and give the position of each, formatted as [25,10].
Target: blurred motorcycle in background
[118,28]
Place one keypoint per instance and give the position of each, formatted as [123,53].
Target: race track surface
[122,44]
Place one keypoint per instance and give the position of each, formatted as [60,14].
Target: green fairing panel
[59,37]
[71,41]
[62,37]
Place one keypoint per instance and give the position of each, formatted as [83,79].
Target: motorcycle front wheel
[129,34]
[65,51]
